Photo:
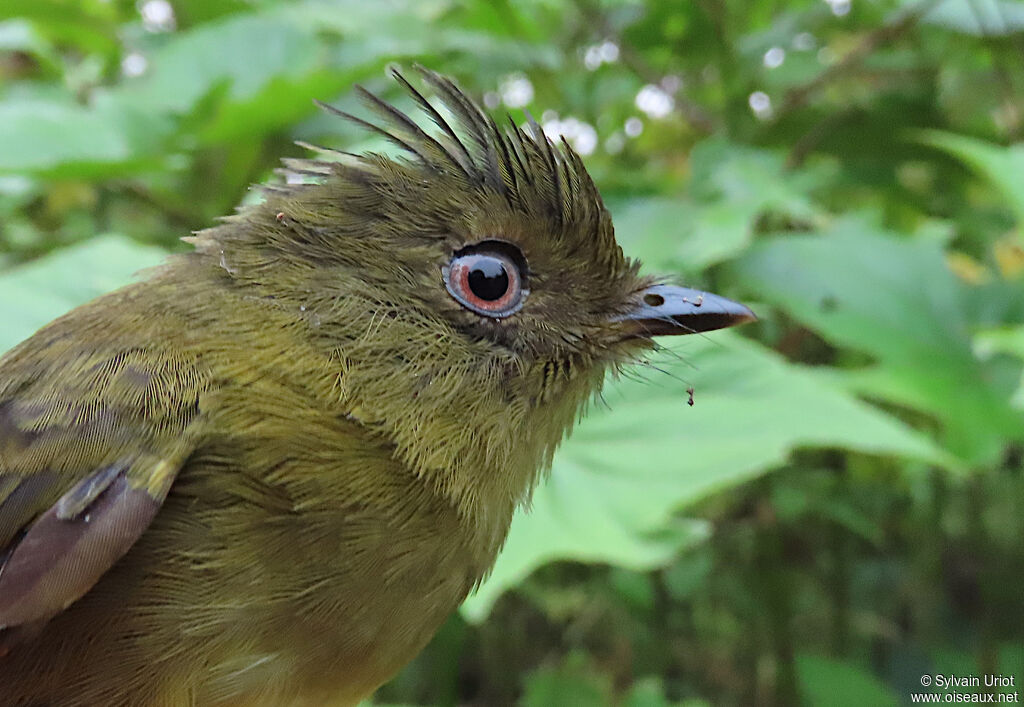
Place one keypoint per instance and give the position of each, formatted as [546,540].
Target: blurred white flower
[840,8]
[774,57]
[516,90]
[615,142]
[761,104]
[581,135]
[134,64]
[654,101]
[607,52]
[157,15]
[671,83]
[804,42]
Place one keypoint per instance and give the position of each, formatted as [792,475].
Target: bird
[268,471]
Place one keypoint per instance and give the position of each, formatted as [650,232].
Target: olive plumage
[267,473]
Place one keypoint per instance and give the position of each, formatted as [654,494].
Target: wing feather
[89,447]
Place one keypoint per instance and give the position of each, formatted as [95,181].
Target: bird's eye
[487,278]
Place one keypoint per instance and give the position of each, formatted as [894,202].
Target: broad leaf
[1008,340]
[731,187]
[616,483]
[246,51]
[1002,166]
[60,138]
[33,294]
[980,18]
[898,301]
[824,681]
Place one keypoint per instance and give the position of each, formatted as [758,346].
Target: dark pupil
[488,279]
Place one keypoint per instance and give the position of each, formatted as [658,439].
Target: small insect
[689,391]
[280,216]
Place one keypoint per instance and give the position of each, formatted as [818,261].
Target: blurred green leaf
[248,51]
[839,684]
[983,18]
[731,186]
[88,26]
[574,683]
[62,139]
[354,18]
[1002,166]
[617,481]
[649,692]
[1006,340]
[797,502]
[280,102]
[898,301]
[21,35]
[668,233]
[35,293]
[687,574]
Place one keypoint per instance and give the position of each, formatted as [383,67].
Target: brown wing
[90,442]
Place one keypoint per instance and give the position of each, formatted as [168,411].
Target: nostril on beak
[667,309]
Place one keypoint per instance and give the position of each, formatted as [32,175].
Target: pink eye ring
[487,279]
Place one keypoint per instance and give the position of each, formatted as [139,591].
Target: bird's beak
[668,310]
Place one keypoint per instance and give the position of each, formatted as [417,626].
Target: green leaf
[687,574]
[75,24]
[1006,340]
[732,186]
[574,683]
[830,682]
[280,102]
[61,138]
[401,17]
[669,233]
[980,18]
[616,483]
[44,289]
[1002,166]
[898,301]
[247,51]
[21,35]
[650,692]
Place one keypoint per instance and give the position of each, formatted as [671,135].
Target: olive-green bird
[269,472]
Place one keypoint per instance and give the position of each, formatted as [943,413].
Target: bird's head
[470,291]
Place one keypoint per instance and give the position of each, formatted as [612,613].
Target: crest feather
[524,166]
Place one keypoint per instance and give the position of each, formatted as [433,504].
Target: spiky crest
[524,166]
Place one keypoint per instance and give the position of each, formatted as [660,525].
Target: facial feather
[475,405]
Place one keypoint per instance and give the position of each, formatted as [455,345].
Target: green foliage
[842,508]
[618,480]
[1003,166]
[730,188]
[35,293]
[896,300]
[829,682]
